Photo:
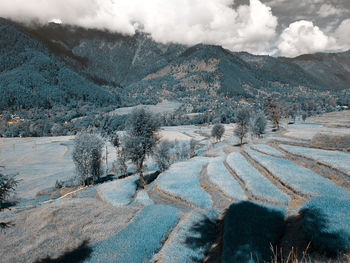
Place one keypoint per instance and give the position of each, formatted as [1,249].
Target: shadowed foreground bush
[250,229]
[77,255]
[326,223]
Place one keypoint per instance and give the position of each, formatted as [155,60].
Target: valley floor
[180,216]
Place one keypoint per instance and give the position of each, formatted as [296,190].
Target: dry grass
[292,257]
[50,230]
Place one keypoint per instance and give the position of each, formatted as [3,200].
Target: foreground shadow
[149,178]
[203,234]
[249,231]
[76,255]
[4,225]
[324,236]
[3,206]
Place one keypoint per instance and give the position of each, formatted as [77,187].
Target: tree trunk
[241,141]
[106,161]
[142,180]
[87,178]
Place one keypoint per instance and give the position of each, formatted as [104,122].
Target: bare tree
[141,139]
[218,131]
[242,123]
[258,124]
[273,109]
[87,156]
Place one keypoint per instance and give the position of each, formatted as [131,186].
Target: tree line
[141,140]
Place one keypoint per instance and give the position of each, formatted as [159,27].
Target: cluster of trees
[141,141]
[76,116]
[245,122]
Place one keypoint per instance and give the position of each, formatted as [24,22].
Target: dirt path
[220,200]
[331,173]
[161,197]
[158,257]
[215,251]
[295,198]
[247,192]
[66,151]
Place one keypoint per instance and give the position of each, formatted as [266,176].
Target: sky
[274,27]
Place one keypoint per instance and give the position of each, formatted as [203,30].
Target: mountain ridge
[136,69]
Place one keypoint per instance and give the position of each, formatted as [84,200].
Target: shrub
[7,186]
[87,155]
[162,155]
[326,224]
[248,238]
[59,184]
[258,124]
[218,131]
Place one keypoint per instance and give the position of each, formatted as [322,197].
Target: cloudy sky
[275,27]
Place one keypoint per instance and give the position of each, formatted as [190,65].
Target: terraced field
[298,178]
[182,182]
[255,183]
[179,217]
[334,159]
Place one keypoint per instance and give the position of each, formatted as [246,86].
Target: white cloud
[327,10]
[250,27]
[342,35]
[302,37]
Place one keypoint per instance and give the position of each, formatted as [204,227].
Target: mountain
[32,76]
[332,69]
[42,66]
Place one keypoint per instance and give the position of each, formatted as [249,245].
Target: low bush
[250,230]
[326,223]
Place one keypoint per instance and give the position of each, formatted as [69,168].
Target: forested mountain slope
[56,64]
[332,69]
[32,76]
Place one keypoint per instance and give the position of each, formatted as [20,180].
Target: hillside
[58,64]
[32,76]
[332,69]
